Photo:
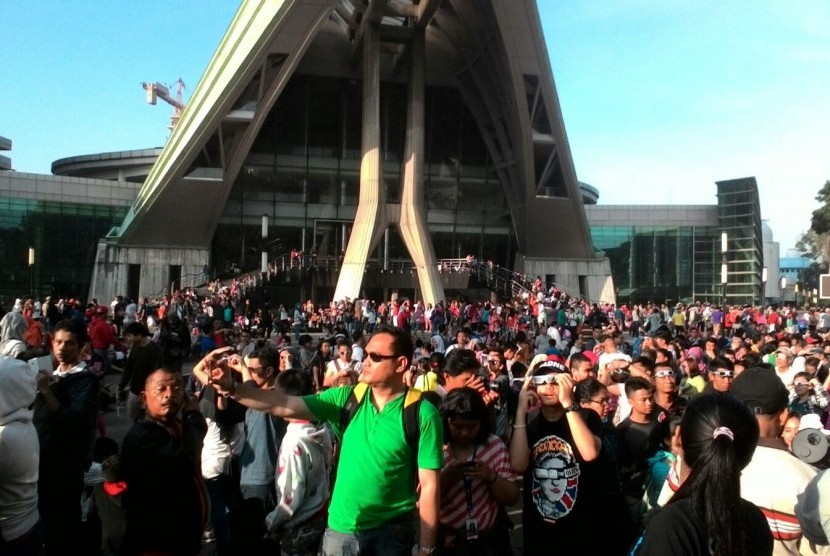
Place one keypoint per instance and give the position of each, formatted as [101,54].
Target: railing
[497,278]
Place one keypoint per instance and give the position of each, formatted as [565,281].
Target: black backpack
[411,412]
[411,419]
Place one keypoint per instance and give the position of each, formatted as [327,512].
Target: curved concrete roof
[100,165]
[492,50]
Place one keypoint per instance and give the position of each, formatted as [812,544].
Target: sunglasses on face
[378,357]
[800,384]
[724,374]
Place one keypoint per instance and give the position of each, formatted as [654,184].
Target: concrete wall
[110,274]
[599,286]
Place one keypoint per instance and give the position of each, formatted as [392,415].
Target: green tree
[818,244]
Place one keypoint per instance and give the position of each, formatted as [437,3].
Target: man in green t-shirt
[374,496]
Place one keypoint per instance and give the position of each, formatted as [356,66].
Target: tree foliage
[820,222]
[816,242]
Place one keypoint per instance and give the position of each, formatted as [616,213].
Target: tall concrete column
[370,220]
[413,221]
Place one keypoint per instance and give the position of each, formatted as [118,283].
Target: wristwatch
[572,407]
[426,550]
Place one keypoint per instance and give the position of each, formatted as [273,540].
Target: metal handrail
[497,278]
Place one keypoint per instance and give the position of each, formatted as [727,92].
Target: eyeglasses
[797,384]
[603,401]
[378,357]
[664,374]
[343,352]
[492,361]
[724,374]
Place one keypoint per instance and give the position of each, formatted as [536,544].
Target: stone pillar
[413,221]
[370,220]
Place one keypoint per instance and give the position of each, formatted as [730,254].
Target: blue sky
[660,98]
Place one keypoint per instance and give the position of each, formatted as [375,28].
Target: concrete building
[366,132]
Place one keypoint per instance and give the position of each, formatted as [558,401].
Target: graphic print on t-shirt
[555,477]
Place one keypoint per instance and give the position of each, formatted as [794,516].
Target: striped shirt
[771,481]
[454,512]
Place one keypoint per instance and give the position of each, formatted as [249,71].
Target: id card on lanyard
[471,525]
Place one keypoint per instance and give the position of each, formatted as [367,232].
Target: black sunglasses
[378,357]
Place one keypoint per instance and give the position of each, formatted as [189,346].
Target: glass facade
[303,171]
[739,215]
[64,237]
[660,264]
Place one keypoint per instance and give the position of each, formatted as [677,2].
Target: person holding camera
[553,448]
[475,481]
[808,395]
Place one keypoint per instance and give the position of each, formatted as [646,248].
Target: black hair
[714,484]
[721,363]
[75,327]
[646,362]
[322,341]
[267,356]
[588,388]
[751,359]
[295,382]
[136,329]
[304,339]
[577,358]
[649,354]
[401,341]
[459,361]
[436,361]
[636,383]
[465,403]
[165,370]
[664,335]
[664,352]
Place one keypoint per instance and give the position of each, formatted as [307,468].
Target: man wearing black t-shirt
[638,437]
[145,357]
[553,448]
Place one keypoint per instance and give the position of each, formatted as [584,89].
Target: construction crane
[157,90]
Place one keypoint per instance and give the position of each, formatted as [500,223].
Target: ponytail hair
[719,435]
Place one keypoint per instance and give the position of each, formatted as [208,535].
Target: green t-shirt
[375,478]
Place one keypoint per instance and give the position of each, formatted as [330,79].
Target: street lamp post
[263,266]
[763,286]
[31,270]
[782,289]
[723,268]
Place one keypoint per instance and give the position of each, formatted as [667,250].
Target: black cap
[761,390]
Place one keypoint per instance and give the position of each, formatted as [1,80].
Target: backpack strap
[412,417]
[349,410]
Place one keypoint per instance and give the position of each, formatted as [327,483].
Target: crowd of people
[399,427]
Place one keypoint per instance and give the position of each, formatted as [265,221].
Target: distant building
[672,253]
